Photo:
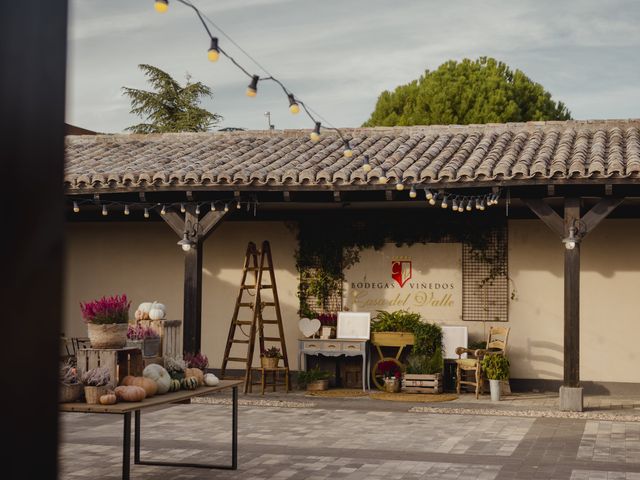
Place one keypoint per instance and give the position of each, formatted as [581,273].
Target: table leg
[126,447]
[234,429]
[364,372]
[136,437]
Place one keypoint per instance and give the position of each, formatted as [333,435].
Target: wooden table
[125,409]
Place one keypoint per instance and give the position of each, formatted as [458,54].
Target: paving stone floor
[354,439]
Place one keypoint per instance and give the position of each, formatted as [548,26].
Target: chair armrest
[461,350]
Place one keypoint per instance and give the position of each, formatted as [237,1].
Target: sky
[337,56]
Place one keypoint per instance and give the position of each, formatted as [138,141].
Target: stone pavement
[357,439]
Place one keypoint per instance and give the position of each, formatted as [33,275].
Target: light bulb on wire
[382,179]
[433,198]
[126,210]
[105,212]
[213,207]
[213,54]
[163,211]
[161,6]
[293,105]
[146,213]
[428,194]
[399,186]
[252,89]
[348,153]
[366,166]
[76,208]
[445,203]
[469,202]
[238,205]
[197,209]
[226,207]
[315,135]
[454,204]
[412,192]
[182,208]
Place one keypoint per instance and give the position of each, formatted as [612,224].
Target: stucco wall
[143,261]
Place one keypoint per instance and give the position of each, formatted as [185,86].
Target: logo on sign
[401,271]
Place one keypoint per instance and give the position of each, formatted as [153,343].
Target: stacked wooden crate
[170,332]
[422,383]
[120,362]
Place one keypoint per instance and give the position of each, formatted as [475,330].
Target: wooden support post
[571,298]
[197,230]
[33,41]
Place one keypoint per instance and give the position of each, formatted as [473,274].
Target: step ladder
[250,300]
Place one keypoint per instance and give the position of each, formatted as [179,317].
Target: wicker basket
[269,362]
[111,335]
[69,392]
[93,394]
[318,385]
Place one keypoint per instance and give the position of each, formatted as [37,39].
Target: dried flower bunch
[68,373]
[107,310]
[96,377]
[174,364]
[272,352]
[197,360]
[140,332]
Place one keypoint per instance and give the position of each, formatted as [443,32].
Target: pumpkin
[142,313]
[189,383]
[211,380]
[157,311]
[158,374]
[108,399]
[150,387]
[174,385]
[130,393]
[196,373]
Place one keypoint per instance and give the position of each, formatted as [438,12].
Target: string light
[293,105]
[412,192]
[315,135]
[197,209]
[76,208]
[161,6]
[146,212]
[432,200]
[163,211]
[444,203]
[226,207]
[400,186]
[213,54]
[105,212]
[454,204]
[238,205]
[213,207]
[252,89]
[126,210]
[366,166]
[382,179]
[347,149]
[469,207]
[477,203]
[182,208]
[428,194]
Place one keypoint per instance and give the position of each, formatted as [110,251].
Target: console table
[334,348]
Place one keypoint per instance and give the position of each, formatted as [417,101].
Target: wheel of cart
[397,340]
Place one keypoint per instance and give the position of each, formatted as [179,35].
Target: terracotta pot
[269,362]
[111,335]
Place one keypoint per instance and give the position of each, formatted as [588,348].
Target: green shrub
[428,336]
[424,364]
[312,375]
[496,367]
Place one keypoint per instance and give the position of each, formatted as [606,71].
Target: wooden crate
[120,362]
[422,383]
[170,334]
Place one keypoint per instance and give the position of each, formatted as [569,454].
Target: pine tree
[480,91]
[170,107]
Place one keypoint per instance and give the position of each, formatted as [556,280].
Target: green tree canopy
[480,91]
[170,107]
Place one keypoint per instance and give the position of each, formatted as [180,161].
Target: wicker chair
[469,370]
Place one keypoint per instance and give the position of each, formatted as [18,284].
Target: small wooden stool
[264,378]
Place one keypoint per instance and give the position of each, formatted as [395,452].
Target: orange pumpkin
[130,393]
[108,399]
[150,387]
[197,373]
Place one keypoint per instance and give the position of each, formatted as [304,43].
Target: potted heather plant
[198,360]
[392,375]
[144,338]
[107,321]
[328,322]
[95,383]
[70,387]
[270,357]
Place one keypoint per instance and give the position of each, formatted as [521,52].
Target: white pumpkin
[157,311]
[142,312]
[158,374]
[211,380]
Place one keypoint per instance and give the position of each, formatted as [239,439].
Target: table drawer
[352,346]
[310,345]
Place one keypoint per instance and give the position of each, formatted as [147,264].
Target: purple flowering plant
[198,360]
[140,332]
[328,319]
[107,310]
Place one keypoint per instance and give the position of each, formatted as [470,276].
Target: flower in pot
[270,357]
[107,321]
[328,322]
[144,338]
[197,360]
[392,374]
[496,368]
[95,383]
[314,379]
[70,386]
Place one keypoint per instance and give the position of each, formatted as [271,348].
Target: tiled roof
[574,151]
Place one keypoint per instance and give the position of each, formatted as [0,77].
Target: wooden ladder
[257,262]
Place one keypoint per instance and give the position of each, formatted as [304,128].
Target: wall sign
[423,278]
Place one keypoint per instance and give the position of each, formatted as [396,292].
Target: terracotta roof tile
[573,150]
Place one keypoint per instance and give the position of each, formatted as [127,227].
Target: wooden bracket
[202,227]
[546,214]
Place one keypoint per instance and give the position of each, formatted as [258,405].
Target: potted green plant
[95,383]
[314,379]
[424,373]
[270,357]
[107,321]
[496,368]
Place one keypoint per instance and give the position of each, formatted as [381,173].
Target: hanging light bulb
[461,206]
[412,192]
[213,54]
[315,135]
[382,179]
[126,210]
[105,212]
[185,243]
[454,204]
[293,105]
[76,208]
[213,207]
[445,203]
[428,194]
[146,213]
[348,153]
[432,200]
[366,166]
[252,89]
[400,186]
[182,208]
[226,207]
[161,6]
[238,205]
[163,211]
[197,209]
[469,206]
[477,203]
[482,207]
